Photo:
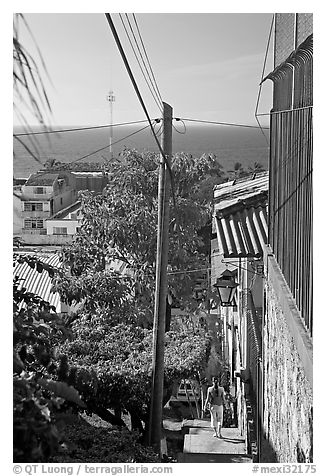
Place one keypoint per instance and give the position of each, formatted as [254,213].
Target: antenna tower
[111,98]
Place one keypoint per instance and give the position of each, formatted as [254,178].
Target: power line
[131,76]
[288,198]
[242,267]
[103,126]
[157,88]
[159,131]
[262,76]
[219,123]
[28,150]
[140,66]
[136,42]
[181,132]
[186,271]
[113,143]
[74,129]
[94,152]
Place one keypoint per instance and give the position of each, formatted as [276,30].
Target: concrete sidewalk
[200,446]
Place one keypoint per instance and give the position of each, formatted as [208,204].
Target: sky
[208,66]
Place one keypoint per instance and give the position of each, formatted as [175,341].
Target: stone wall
[288,400]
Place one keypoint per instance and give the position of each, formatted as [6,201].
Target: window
[33,207]
[39,190]
[33,223]
[58,230]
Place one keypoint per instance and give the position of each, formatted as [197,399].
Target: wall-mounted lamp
[226,288]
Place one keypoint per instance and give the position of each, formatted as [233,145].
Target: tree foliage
[121,224]
[111,366]
[48,386]
[83,443]
[104,364]
[38,395]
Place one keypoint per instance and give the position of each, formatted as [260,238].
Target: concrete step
[205,442]
[212,458]
[187,424]
[199,439]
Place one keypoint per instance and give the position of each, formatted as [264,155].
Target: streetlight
[226,288]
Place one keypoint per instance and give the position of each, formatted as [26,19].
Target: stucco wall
[66,198]
[17,219]
[71,226]
[288,397]
[37,239]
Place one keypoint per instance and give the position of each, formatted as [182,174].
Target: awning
[243,232]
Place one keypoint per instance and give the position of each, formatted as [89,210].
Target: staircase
[200,446]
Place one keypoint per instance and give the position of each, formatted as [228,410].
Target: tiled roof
[229,193]
[39,283]
[66,211]
[42,179]
[240,216]
[243,233]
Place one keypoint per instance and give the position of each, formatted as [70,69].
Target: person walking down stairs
[214,402]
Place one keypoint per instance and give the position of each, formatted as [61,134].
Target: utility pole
[156,412]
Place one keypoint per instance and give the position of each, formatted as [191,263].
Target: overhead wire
[35,145]
[158,95]
[103,126]
[262,76]
[241,267]
[110,145]
[28,150]
[157,88]
[184,125]
[98,150]
[292,193]
[140,66]
[159,130]
[218,123]
[75,129]
[131,76]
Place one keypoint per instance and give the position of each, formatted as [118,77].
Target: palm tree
[238,171]
[257,167]
[28,85]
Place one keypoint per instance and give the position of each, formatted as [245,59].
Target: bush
[84,443]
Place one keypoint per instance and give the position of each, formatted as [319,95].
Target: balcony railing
[290,204]
[36,214]
[34,231]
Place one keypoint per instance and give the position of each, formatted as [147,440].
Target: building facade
[63,226]
[239,235]
[42,196]
[287,317]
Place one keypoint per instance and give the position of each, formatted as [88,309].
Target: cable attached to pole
[218,123]
[77,129]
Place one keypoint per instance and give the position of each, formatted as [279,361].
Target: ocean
[230,144]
